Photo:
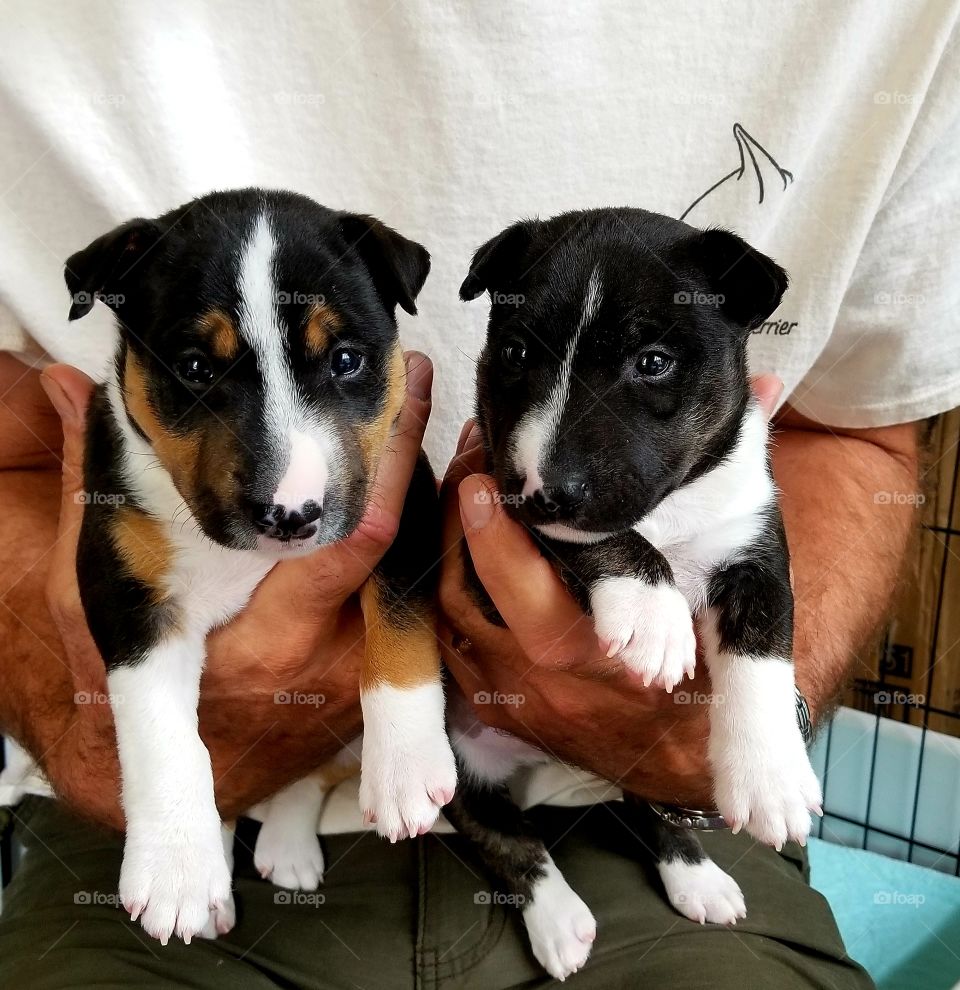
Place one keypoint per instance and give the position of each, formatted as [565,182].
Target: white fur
[648,626]
[306,473]
[702,892]
[560,926]
[287,850]
[223,918]
[174,869]
[537,430]
[707,522]
[408,771]
[763,780]
[304,445]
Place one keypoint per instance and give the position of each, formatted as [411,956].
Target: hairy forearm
[847,543]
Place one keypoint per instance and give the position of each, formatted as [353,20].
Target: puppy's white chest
[211,583]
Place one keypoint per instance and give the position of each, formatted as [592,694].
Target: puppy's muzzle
[559,500]
[279,522]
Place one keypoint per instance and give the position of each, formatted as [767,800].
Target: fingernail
[419,375]
[476,504]
[59,399]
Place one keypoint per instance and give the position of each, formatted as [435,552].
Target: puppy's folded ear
[398,266]
[496,264]
[749,283]
[98,271]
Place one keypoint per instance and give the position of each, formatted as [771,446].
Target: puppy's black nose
[281,523]
[561,499]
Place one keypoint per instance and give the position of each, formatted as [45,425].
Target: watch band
[707,821]
[700,821]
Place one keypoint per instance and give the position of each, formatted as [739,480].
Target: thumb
[68,390]
[528,593]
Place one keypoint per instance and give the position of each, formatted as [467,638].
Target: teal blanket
[900,921]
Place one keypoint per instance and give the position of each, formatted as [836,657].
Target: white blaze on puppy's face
[303,445]
[536,433]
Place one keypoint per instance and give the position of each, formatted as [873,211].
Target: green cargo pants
[417,914]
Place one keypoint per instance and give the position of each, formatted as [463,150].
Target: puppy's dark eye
[514,354]
[345,362]
[193,368]
[653,364]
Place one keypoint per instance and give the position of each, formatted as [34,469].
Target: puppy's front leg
[407,768]
[763,780]
[174,869]
[639,614]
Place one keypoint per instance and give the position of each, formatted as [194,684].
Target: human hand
[577,705]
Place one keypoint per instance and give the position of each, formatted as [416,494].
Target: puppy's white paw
[769,789]
[221,920]
[702,892]
[560,926]
[402,791]
[288,854]
[648,626]
[172,886]
[408,772]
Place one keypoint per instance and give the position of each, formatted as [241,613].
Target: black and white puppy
[614,402]
[258,374]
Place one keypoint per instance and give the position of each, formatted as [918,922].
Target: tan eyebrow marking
[322,323]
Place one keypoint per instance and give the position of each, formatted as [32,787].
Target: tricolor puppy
[257,377]
[614,402]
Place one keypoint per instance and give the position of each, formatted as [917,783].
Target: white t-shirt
[827,134]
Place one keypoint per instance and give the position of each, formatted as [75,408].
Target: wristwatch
[707,821]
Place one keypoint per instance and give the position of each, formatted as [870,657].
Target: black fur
[161,276]
[626,440]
